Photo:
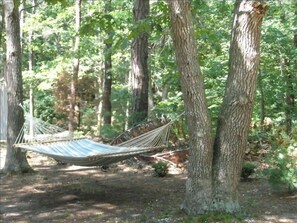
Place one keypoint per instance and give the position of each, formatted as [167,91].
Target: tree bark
[73,108]
[262,100]
[106,102]
[235,116]
[16,161]
[140,73]
[198,186]
[289,94]
[1,40]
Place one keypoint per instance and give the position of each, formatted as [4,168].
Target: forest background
[49,33]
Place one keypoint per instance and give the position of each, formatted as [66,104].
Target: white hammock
[54,142]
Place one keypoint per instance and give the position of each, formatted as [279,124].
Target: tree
[140,73]
[16,161]
[73,108]
[198,185]
[107,84]
[289,78]
[236,111]
[277,65]
[214,170]
[1,40]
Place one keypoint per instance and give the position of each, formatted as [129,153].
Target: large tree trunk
[140,73]
[73,108]
[106,102]
[235,116]
[198,186]
[15,159]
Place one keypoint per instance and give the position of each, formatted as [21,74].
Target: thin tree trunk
[99,105]
[198,186]
[262,100]
[289,95]
[290,82]
[73,110]
[235,116]
[15,159]
[30,39]
[30,67]
[106,102]
[165,91]
[140,73]
[31,98]
[288,77]
[22,19]
[150,98]
[2,48]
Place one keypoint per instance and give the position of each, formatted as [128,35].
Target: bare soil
[125,192]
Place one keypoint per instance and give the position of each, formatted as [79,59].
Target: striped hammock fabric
[85,152]
[41,137]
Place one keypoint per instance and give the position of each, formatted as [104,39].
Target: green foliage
[109,131]
[52,2]
[119,97]
[44,107]
[161,168]
[276,48]
[282,162]
[49,29]
[248,169]
[88,121]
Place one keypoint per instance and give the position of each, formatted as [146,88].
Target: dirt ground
[125,192]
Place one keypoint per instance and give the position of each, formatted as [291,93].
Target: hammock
[55,142]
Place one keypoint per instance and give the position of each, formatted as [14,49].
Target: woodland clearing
[125,192]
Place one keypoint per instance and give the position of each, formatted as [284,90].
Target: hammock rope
[57,143]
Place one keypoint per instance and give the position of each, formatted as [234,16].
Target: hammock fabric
[85,152]
[39,136]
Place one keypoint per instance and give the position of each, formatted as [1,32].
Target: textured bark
[1,40]
[198,186]
[15,159]
[140,73]
[73,108]
[106,102]
[235,116]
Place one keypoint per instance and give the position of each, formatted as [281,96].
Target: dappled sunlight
[64,192]
[288,218]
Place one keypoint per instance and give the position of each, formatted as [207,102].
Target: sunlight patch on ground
[277,218]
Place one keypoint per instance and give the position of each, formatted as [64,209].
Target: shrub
[282,162]
[161,168]
[247,170]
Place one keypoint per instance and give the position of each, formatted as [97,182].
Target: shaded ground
[127,192]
